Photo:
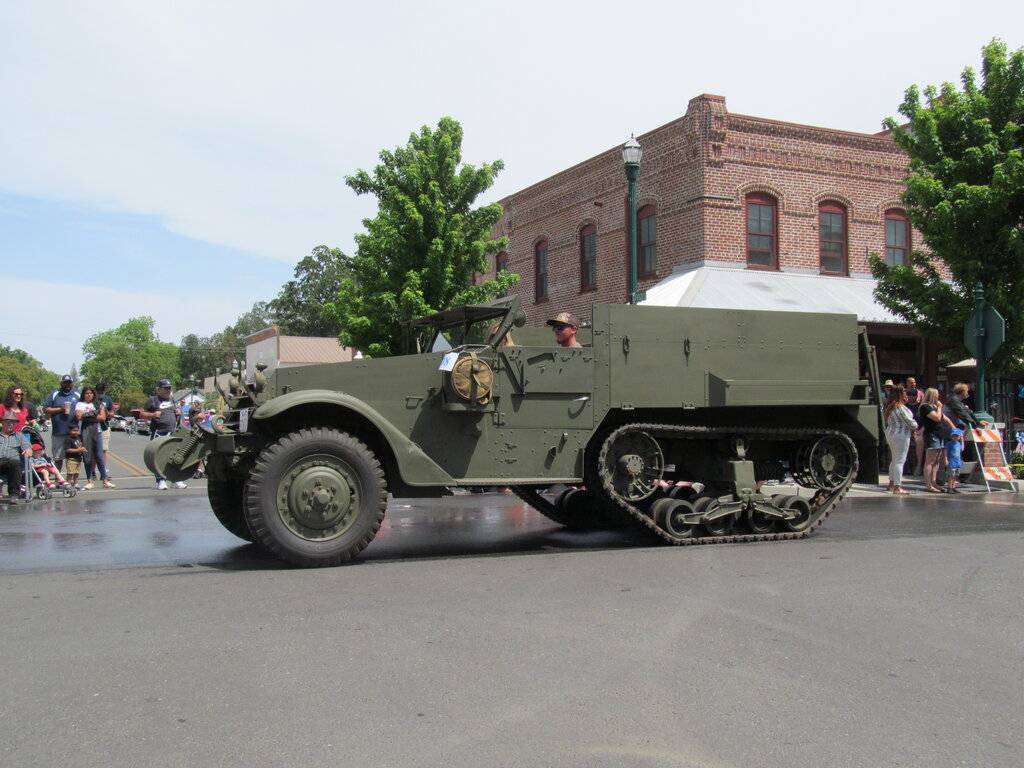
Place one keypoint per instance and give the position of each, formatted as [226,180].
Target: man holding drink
[60,406]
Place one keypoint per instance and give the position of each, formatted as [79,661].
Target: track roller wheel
[669,515]
[802,508]
[758,522]
[721,526]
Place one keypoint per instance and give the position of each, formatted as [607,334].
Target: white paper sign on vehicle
[448,361]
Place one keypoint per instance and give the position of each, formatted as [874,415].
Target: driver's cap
[564,318]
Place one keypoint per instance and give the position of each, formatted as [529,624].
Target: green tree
[420,252]
[19,355]
[19,368]
[193,356]
[202,355]
[300,308]
[256,319]
[965,194]
[228,345]
[129,357]
[128,399]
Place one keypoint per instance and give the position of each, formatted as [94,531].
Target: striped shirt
[900,422]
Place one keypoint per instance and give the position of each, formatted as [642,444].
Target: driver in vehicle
[565,325]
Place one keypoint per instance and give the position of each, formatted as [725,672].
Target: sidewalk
[913,483]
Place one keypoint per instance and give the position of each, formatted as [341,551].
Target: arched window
[500,261]
[540,271]
[762,231]
[588,258]
[897,238]
[832,238]
[647,234]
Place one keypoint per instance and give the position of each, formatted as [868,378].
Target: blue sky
[144,143]
[81,270]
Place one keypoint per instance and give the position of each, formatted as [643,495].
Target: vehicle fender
[414,466]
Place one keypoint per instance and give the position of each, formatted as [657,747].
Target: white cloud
[51,321]
[234,123]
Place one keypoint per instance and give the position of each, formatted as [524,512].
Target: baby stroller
[32,479]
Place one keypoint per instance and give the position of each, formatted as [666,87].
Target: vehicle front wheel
[225,493]
[316,497]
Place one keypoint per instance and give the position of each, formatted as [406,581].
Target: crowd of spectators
[934,426]
[79,425]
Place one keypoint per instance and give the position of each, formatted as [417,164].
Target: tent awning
[730,288]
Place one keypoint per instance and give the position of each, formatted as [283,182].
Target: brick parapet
[696,171]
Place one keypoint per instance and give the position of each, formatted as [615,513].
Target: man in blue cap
[163,418]
[60,406]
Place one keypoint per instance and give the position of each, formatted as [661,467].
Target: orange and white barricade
[987,435]
[994,472]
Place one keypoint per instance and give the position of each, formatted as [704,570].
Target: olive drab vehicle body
[679,420]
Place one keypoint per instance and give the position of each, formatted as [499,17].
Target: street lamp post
[631,154]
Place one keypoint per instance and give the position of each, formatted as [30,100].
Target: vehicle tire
[226,495]
[316,497]
[580,509]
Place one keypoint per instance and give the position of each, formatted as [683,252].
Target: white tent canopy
[731,288]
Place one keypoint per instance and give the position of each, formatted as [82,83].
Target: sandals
[900,492]
[934,490]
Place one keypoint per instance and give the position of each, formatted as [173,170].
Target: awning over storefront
[724,287]
[970,362]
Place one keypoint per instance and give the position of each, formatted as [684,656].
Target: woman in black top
[936,425]
[91,412]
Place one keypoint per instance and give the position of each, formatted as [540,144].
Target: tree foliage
[129,357]
[965,194]
[203,355]
[300,307]
[419,254]
[19,369]
[130,398]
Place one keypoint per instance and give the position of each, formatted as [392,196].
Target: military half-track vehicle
[674,419]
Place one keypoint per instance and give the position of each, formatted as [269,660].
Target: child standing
[954,451]
[75,450]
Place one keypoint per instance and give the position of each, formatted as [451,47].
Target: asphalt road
[475,633]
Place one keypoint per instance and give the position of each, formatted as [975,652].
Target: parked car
[120,423]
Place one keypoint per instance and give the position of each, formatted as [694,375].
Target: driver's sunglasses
[18,394]
[560,326]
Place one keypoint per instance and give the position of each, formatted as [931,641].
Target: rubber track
[822,503]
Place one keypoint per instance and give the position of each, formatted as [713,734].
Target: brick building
[771,213]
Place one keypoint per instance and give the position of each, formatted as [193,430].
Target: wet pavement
[473,632]
[123,529]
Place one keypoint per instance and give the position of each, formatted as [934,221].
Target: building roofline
[881,138]
[593,158]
